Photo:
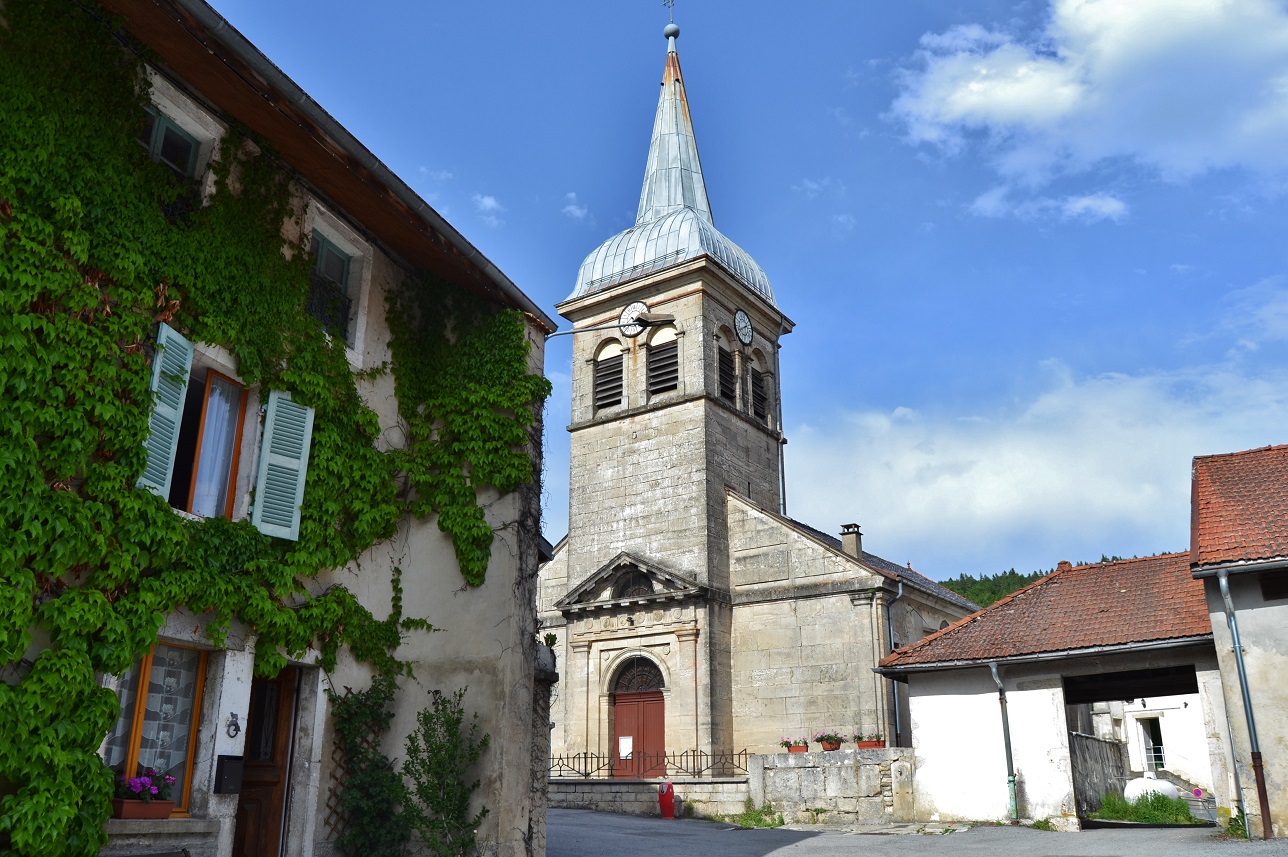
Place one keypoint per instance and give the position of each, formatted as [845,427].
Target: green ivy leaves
[90,566]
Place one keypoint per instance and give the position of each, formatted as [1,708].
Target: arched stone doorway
[639,720]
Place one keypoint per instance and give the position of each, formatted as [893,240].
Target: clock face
[742,323]
[627,320]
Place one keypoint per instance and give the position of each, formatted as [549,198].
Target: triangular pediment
[629,580]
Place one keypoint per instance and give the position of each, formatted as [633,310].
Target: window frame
[182,801]
[662,364]
[345,238]
[161,122]
[239,429]
[320,243]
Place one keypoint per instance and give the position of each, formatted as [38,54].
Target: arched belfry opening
[638,720]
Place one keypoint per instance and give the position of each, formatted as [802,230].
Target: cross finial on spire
[670,6]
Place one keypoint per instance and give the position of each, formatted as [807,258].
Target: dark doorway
[261,807]
[639,721]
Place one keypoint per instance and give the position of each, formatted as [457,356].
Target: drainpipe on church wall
[894,685]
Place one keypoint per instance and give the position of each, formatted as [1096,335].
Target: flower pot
[830,745]
[122,808]
[870,745]
[798,748]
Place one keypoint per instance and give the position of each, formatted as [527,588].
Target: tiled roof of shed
[1239,504]
[1152,599]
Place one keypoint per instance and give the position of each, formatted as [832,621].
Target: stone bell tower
[666,416]
[675,404]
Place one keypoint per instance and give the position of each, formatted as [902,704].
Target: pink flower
[169,780]
[155,790]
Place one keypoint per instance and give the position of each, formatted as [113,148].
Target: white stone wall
[1185,747]
[960,752]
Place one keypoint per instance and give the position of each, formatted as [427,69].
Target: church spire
[673,177]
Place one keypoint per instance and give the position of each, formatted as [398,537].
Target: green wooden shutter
[283,461]
[170,368]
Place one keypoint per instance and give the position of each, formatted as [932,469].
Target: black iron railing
[689,763]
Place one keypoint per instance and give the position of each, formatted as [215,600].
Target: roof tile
[1151,599]
[1239,506]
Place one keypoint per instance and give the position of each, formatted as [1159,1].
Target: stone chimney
[852,540]
[1064,565]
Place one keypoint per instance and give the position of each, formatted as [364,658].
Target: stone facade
[678,553]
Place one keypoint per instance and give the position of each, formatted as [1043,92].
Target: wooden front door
[639,734]
[261,806]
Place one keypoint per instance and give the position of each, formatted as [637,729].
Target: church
[691,617]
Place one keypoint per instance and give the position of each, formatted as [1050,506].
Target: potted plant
[869,740]
[144,796]
[795,745]
[829,739]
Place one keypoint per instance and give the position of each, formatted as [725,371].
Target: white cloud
[1089,465]
[1259,313]
[436,175]
[844,222]
[489,209]
[1088,208]
[813,187]
[1179,268]
[574,209]
[1180,86]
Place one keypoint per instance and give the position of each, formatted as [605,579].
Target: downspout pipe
[1258,771]
[1006,739]
[894,685]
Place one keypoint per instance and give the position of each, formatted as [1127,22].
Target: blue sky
[1035,251]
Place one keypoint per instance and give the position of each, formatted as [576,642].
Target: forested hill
[986,590]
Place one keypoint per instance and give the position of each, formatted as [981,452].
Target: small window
[759,398]
[663,362]
[168,143]
[329,301]
[160,701]
[609,369]
[728,377]
[205,471]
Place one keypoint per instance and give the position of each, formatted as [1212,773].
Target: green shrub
[753,817]
[440,753]
[1152,808]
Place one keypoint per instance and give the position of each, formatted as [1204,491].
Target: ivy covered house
[269,448]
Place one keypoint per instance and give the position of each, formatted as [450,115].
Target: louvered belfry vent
[728,378]
[608,382]
[759,399]
[664,368]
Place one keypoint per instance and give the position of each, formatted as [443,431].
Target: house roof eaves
[898,672]
[1239,566]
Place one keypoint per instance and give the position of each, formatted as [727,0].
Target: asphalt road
[582,833]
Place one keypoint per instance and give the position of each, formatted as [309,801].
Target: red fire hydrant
[666,798]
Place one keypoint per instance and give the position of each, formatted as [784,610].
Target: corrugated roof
[1239,506]
[1152,599]
[673,224]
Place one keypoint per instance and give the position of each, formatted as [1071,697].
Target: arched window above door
[636,675]
[632,585]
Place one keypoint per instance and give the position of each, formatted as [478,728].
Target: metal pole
[1258,771]
[1006,737]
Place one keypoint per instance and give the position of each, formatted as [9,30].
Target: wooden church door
[639,721]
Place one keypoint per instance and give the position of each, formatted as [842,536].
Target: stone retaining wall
[838,787]
[703,797]
[841,786]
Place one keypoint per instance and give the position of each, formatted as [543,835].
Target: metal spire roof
[673,177]
[673,223]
